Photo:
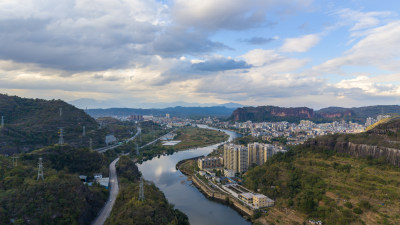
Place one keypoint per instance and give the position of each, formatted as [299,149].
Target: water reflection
[180,192]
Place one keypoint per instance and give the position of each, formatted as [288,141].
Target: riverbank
[211,193]
[181,192]
[190,137]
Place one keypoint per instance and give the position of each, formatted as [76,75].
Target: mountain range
[274,113]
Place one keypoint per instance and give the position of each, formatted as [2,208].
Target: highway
[104,149]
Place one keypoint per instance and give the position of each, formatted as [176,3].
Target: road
[114,187]
[105,212]
[104,149]
[155,140]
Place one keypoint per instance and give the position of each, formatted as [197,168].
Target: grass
[372,191]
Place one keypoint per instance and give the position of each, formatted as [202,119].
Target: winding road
[114,187]
[105,212]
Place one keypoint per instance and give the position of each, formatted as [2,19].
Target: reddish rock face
[262,113]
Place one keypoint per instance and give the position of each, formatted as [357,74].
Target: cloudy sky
[135,53]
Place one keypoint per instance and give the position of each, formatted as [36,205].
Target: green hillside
[317,183]
[34,123]
[334,181]
[61,198]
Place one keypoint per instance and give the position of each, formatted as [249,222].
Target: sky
[148,53]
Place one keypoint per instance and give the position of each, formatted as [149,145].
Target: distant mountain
[274,113]
[88,103]
[33,123]
[231,105]
[178,111]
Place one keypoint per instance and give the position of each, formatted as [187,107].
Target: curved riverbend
[180,192]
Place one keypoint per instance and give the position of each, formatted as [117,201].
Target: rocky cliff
[272,113]
[381,142]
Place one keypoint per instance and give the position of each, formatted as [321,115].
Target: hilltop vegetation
[33,123]
[61,198]
[323,182]
[128,209]
[320,184]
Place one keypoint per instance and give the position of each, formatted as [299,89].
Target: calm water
[180,192]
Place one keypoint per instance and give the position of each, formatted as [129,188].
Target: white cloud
[300,44]
[362,20]
[380,48]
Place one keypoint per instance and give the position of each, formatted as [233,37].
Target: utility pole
[15,162]
[61,139]
[40,170]
[141,190]
[60,112]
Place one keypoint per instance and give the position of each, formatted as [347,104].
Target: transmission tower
[2,122]
[15,162]
[137,149]
[40,170]
[90,143]
[84,131]
[61,139]
[141,190]
[60,112]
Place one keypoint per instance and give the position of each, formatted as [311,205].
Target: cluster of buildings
[254,200]
[239,158]
[371,120]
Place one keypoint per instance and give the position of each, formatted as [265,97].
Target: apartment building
[235,158]
[210,163]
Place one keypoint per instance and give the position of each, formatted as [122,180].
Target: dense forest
[61,198]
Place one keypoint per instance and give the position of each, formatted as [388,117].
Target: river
[180,192]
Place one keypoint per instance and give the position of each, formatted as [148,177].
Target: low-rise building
[229,173]
[210,163]
[246,197]
[104,181]
[260,201]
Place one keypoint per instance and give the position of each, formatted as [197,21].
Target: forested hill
[275,113]
[337,179]
[32,123]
